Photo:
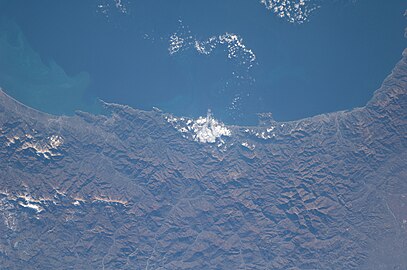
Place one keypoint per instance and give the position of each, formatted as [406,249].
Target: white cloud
[203,129]
[294,11]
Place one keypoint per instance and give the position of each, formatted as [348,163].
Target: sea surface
[62,56]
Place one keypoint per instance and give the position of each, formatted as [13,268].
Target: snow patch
[45,148]
[249,145]
[76,203]
[36,207]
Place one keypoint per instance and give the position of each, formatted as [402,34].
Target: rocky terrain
[139,189]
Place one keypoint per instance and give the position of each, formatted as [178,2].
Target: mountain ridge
[128,191]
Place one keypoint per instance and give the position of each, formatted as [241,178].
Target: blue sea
[237,58]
